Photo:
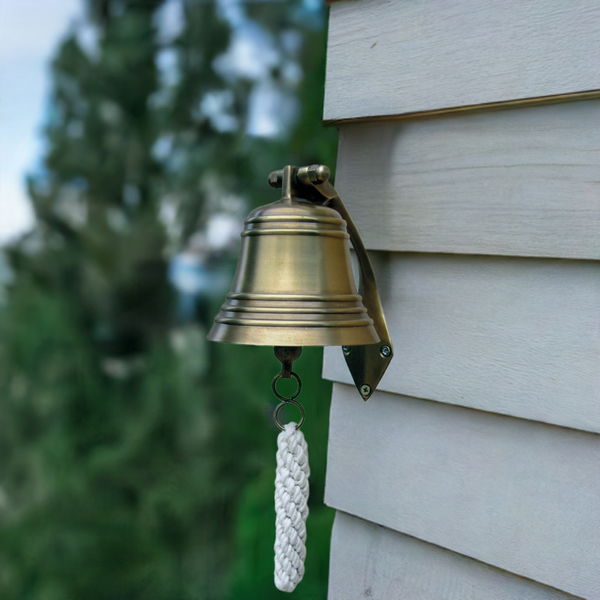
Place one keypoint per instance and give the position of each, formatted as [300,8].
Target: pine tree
[126,447]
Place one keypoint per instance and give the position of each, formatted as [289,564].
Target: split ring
[278,395]
[281,405]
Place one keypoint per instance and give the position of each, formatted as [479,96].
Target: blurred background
[136,459]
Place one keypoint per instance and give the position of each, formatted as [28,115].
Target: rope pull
[291,507]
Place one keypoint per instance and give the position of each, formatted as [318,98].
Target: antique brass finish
[294,285]
[367,363]
[287,355]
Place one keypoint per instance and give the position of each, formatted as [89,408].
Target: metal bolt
[365,389]
[385,351]
[346,350]
[315,174]
[318,173]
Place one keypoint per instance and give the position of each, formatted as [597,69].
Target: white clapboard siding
[391,58]
[524,182]
[513,336]
[518,495]
[371,562]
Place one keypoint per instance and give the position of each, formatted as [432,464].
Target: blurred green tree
[134,462]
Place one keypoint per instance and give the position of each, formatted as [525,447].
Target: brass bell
[294,285]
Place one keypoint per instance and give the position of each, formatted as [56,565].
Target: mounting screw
[346,350]
[365,389]
[386,351]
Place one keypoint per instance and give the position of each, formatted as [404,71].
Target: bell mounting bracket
[367,363]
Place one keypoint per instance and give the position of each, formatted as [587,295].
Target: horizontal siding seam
[467,109]
[462,407]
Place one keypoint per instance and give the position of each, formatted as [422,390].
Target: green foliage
[136,460]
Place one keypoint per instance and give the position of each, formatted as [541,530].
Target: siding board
[394,58]
[370,561]
[518,183]
[513,336]
[521,496]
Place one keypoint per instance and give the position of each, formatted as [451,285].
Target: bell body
[294,284]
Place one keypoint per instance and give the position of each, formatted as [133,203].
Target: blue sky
[29,33]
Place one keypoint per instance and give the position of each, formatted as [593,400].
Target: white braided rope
[291,496]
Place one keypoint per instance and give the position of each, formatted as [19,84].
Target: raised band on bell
[294,284]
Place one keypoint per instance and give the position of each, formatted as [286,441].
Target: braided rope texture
[291,508]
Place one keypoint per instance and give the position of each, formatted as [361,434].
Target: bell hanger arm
[367,363]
